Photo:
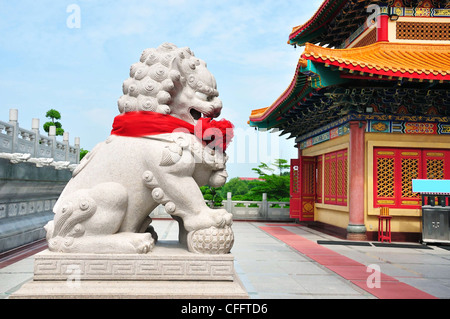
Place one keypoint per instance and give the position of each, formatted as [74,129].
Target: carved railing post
[52,136]
[35,129]
[14,130]
[228,204]
[264,206]
[77,147]
[66,146]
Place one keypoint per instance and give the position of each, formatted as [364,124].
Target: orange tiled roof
[396,60]
[404,60]
[258,112]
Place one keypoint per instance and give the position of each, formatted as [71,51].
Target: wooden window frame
[335,172]
[402,157]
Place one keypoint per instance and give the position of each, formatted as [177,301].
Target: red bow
[142,123]
[220,133]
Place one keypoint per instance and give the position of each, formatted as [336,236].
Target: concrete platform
[147,289]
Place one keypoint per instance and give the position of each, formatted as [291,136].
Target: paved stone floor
[288,261]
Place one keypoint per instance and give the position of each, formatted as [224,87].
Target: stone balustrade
[34,170]
[17,140]
[246,210]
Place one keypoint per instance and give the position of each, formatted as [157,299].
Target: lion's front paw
[206,218]
[143,243]
[222,218]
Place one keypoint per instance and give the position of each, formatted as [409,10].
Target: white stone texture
[166,262]
[169,272]
[105,207]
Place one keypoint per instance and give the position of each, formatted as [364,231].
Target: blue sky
[45,63]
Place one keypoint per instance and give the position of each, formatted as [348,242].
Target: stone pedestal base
[168,272]
[356,236]
[356,232]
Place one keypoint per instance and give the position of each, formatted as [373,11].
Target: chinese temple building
[369,108]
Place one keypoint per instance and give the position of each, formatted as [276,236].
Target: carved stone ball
[213,240]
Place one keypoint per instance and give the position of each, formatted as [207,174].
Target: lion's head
[171,80]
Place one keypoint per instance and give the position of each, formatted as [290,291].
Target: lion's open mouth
[196,115]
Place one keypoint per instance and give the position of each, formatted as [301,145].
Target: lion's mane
[154,80]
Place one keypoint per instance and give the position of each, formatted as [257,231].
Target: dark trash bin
[435,209]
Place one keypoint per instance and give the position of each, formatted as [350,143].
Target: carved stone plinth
[168,272]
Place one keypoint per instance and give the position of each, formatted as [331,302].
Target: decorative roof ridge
[397,59]
[299,29]
[393,46]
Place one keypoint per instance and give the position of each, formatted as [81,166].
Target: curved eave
[316,25]
[399,60]
[264,118]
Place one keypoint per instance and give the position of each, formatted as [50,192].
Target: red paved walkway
[355,272]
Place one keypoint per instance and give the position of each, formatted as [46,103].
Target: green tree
[53,115]
[212,195]
[277,187]
[236,187]
[282,165]
[83,153]
[262,169]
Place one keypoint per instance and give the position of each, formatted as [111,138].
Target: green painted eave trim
[309,78]
[322,76]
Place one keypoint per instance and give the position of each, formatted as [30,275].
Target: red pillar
[383,28]
[356,229]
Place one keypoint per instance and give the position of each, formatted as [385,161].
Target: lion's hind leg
[87,221]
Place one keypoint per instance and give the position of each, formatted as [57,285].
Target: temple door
[303,188]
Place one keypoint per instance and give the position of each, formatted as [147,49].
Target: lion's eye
[201,96]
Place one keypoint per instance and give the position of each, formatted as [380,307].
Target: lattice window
[435,168]
[423,30]
[394,170]
[327,178]
[435,164]
[319,179]
[385,177]
[410,171]
[335,178]
[308,178]
[341,178]
[370,38]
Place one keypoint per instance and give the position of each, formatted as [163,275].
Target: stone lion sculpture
[163,146]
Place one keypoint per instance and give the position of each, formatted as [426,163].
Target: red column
[356,229]
[382,28]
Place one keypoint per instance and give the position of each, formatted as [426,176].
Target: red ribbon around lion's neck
[216,134]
